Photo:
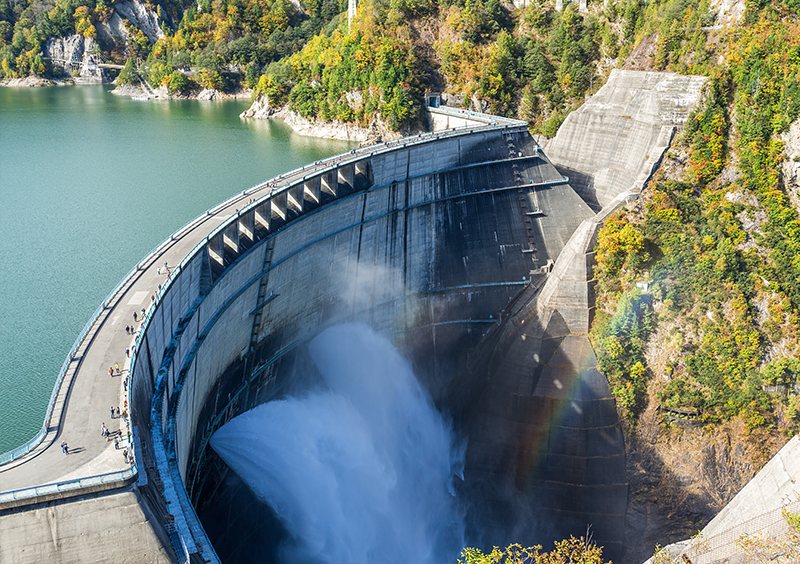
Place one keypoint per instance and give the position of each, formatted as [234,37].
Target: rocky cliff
[77,55]
[141,17]
[377,132]
[790,170]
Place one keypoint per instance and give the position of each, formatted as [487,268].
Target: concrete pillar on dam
[216,250]
[230,238]
[279,206]
[329,183]
[311,189]
[261,217]
[295,198]
[247,230]
[346,175]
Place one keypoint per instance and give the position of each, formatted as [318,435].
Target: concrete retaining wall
[621,132]
[757,510]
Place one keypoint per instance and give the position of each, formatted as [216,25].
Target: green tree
[128,74]
[569,551]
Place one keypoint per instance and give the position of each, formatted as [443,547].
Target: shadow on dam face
[544,451]
[448,265]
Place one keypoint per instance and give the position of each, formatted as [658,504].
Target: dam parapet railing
[279,187]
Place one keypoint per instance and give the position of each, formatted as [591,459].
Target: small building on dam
[470,249]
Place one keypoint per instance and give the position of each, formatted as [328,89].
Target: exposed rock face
[126,90]
[26,82]
[138,14]
[113,30]
[261,109]
[679,479]
[211,94]
[453,100]
[375,133]
[729,12]
[335,130]
[75,52]
[790,170]
[478,105]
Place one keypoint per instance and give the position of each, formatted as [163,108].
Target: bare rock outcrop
[329,130]
[790,169]
[76,53]
[128,91]
[375,133]
[141,17]
[729,12]
[26,82]
[262,109]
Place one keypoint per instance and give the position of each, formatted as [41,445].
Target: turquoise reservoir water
[89,184]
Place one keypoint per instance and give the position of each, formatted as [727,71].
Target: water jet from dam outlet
[361,470]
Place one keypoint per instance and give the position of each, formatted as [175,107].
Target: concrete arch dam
[473,254]
[432,244]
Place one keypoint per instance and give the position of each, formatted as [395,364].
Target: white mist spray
[359,472]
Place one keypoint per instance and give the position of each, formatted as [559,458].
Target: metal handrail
[68,485]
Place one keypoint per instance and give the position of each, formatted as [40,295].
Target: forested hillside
[533,62]
[718,240]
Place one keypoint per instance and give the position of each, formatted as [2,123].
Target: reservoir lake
[89,184]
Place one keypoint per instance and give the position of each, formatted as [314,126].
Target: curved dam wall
[430,242]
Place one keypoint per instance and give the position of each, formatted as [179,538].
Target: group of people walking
[115,412]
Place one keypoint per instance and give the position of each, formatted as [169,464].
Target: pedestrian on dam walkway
[116,367]
[64,447]
[134,317]
[110,371]
[112,412]
[128,353]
